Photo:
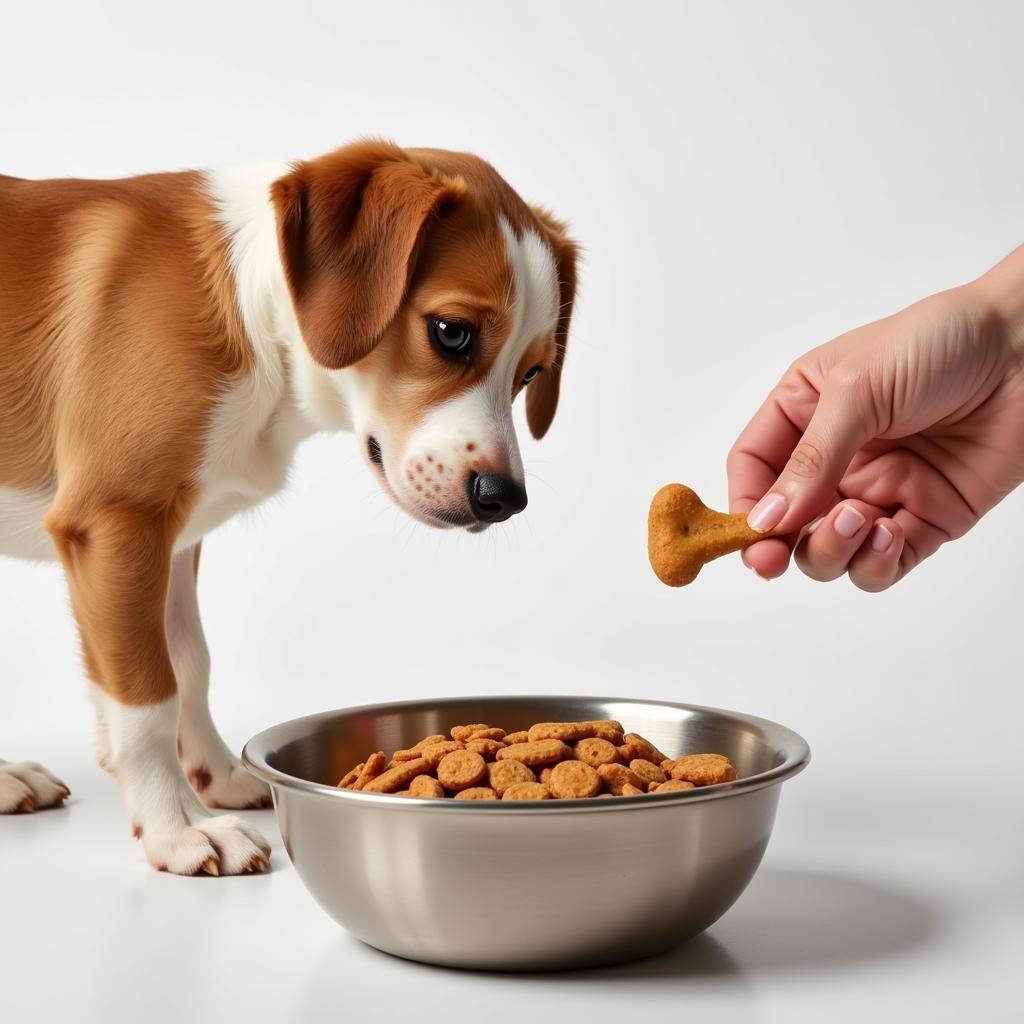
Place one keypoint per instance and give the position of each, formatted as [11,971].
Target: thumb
[842,422]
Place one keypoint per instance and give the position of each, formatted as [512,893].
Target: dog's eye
[531,373]
[452,338]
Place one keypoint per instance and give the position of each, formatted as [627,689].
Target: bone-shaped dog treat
[683,534]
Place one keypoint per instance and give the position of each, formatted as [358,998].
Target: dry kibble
[526,791]
[435,751]
[477,793]
[672,786]
[647,770]
[503,774]
[616,776]
[486,748]
[426,786]
[461,769]
[483,762]
[488,734]
[703,769]
[639,748]
[596,752]
[374,765]
[465,732]
[573,780]
[398,777]
[536,752]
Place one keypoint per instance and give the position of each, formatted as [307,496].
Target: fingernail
[815,525]
[881,538]
[848,521]
[767,513]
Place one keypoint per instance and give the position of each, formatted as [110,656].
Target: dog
[167,340]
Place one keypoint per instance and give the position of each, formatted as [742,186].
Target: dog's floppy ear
[542,394]
[349,227]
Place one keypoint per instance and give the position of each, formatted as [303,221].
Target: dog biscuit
[535,752]
[672,786]
[596,751]
[461,769]
[488,734]
[526,791]
[703,769]
[647,770]
[638,747]
[683,534]
[573,780]
[426,786]
[476,793]
[517,737]
[502,774]
[374,765]
[398,777]
[465,732]
[484,747]
[618,775]
[435,751]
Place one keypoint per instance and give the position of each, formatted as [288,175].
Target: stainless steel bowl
[523,886]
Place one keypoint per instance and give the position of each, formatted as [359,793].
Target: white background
[748,180]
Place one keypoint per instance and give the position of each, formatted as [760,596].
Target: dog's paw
[228,785]
[211,846]
[27,786]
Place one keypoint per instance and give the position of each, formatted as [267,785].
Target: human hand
[876,448]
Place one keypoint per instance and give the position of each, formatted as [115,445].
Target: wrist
[1001,291]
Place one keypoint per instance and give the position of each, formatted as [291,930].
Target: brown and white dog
[165,343]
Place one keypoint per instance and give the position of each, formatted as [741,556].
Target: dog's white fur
[259,422]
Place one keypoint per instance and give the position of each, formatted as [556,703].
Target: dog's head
[442,296]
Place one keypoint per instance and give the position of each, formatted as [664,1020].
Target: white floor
[860,911]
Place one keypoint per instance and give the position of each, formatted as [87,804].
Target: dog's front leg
[215,773]
[118,562]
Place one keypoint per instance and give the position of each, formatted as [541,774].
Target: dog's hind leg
[27,786]
[118,564]
[215,773]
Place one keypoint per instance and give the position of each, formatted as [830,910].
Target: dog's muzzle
[493,498]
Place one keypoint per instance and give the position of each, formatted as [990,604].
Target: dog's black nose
[493,497]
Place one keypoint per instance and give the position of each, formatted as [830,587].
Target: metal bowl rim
[254,756]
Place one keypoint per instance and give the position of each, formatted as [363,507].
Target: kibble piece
[596,752]
[503,774]
[461,769]
[374,765]
[465,732]
[435,751]
[488,734]
[538,752]
[397,777]
[348,779]
[647,770]
[485,747]
[573,780]
[526,791]
[426,786]
[618,775]
[630,790]
[638,747]
[477,793]
[672,786]
[703,769]
[517,737]
[568,732]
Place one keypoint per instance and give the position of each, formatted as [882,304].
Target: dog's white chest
[249,448]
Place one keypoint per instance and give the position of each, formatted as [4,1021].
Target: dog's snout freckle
[470,447]
[440,467]
[430,458]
